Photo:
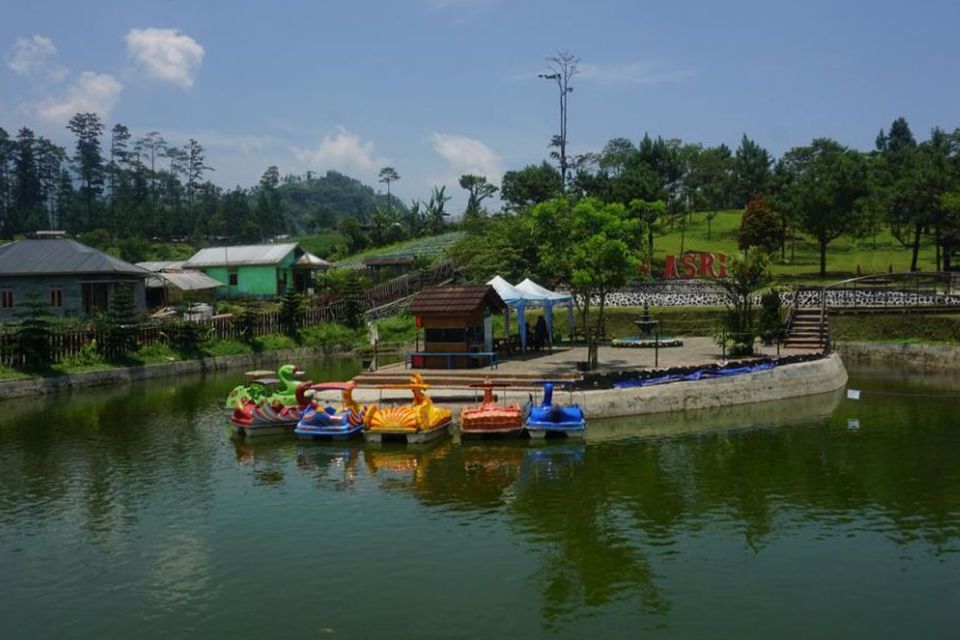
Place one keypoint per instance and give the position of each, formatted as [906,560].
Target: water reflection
[149,475]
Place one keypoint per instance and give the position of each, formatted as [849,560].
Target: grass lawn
[844,255]
[896,328]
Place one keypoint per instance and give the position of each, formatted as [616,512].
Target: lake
[132,511]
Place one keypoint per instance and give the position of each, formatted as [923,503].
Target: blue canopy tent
[519,301]
[548,300]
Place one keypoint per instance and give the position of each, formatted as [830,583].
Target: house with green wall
[258,270]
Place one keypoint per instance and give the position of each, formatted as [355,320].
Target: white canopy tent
[530,294]
[516,300]
[550,299]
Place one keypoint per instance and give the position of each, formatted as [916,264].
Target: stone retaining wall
[122,375]
[915,357]
[789,381]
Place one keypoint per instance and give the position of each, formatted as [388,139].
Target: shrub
[187,337]
[291,306]
[33,332]
[770,323]
[329,335]
[120,325]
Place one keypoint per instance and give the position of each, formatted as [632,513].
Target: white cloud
[636,73]
[165,54]
[91,92]
[36,56]
[467,155]
[343,151]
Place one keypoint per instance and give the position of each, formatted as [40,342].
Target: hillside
[845,256]
[317,203]
[432,248]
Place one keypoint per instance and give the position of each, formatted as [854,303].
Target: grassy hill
[844,255]
[433,248]
[320,202]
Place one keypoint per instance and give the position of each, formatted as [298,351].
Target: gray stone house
[75,279]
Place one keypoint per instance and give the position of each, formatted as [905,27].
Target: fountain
[647,338]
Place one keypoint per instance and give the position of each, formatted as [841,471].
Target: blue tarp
[699,374]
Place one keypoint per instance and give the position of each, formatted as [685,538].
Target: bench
[450,355]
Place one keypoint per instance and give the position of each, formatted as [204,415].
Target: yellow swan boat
[417,422]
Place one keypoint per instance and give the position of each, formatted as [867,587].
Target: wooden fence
[70,341]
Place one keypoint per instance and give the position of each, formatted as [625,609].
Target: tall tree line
[112,183]
[823,189]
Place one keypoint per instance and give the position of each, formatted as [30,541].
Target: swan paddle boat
[273,413]
[324,422]
[551,419]
[415,423]
[280,386]
[491,418]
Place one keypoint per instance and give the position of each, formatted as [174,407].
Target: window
[232,277]
[6,298]
[56,297]
[444,335]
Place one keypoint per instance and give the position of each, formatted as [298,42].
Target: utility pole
[563,67]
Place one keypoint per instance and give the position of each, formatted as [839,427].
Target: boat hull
[538,432]
[409,436]
[328,433]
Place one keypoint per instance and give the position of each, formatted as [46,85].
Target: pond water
[132,511]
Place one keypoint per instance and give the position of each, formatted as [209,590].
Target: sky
[439,88]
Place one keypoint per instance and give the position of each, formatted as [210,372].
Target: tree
[34,331]
[388,175]
[87,127]
[479,190]
[760,227]
[291,306]
[269,203]
[616,155]
[744,278]
[531,185]
[8,150]
[751,171]
[822,184]
[435,209]
[27,191]
[563,67]
[195,167]
[649,213]
[592,246]
[897,176]
[119,327]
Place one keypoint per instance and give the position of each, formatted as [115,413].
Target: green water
[131,512]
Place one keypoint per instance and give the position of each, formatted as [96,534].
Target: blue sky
[438,88]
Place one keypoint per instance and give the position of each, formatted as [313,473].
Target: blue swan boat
[547,418]
[323,422]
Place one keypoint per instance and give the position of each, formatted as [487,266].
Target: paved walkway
[694,351]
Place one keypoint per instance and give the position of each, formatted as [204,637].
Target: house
[171,284]
[456,319]
[75,279]
[259,270]
[394,265]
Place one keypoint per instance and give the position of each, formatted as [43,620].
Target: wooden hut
[457,326]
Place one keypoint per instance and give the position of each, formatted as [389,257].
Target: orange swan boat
[417,422]
[490,418]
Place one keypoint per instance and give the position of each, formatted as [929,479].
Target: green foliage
[399,328]
[531,185]
[896,328]
[353,299]
[155,354]
[33,332]
[434,248]
[771,321]
[291,309]
[226,348]
[318,203]
[275,342]
[187,337]
[330,335]
[246,320]
[120,325]
[745,277]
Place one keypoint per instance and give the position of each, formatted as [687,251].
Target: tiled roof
[243,255]
[455,299]
[55,256]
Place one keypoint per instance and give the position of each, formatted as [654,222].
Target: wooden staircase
[805,331]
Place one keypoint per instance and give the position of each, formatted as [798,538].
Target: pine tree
[120,325]
[33,332]
[291,305]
